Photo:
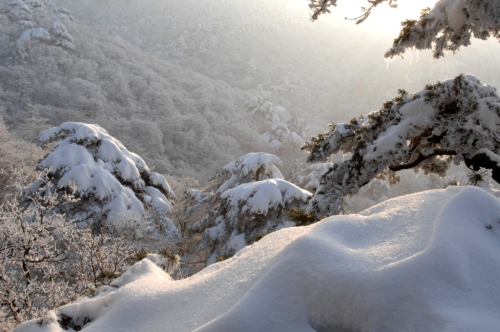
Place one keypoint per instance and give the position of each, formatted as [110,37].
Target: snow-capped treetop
[59,30]
[101,167]
[247,168]
[456,118]
[260,106]
[26,24]
[18,10]
[105,149]
[251,163]
[279,134]
[36,6]
[259,197]
[246,214]
[61,36]
[64,14]
[36,33]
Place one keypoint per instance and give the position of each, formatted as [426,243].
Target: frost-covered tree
[247,213]
[32,127]
[279,136]
[455,120]
[19,11]
[45,261]
[248,168]
[64,14]
[61,36]
[110,181]
[298,126]
[33,242]
[36,6]
[449,25]
[262,108]
[251,167]
[254,178]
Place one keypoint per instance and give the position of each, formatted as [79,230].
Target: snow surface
[423,262]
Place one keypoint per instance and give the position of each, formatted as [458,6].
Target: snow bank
[423,262]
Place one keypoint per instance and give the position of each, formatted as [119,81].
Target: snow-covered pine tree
[246,200]
[449,25]
[248,168]
[263,108]
[19,11]
[246,214]
[251,167]
[298,126]
[110,181]
[64,14]
[36,6]
[454,120]
[279,136]
[61,36]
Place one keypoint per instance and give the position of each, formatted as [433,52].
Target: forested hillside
[195,85]
[182,122]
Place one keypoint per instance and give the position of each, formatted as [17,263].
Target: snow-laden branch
[448,26]
[458,117]
[320,7]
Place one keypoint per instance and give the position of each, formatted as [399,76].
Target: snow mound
[423,262]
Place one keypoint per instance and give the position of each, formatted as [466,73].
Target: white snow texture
[423,262]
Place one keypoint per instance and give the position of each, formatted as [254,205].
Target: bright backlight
[383,18]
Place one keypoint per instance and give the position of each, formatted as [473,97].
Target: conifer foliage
[454,120]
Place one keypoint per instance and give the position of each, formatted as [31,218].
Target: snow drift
[423,262]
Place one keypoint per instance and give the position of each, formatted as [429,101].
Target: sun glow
[383,19]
